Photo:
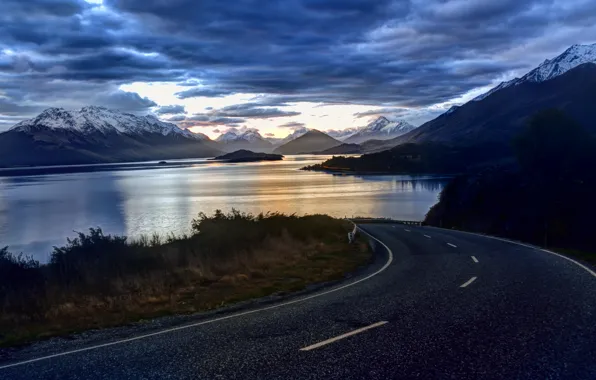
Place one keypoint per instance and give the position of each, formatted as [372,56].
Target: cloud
[381,111]
[292,124]
[125,101]
[216,130]
[233,115]
[205,120]
[176,118]
[269,134]
[383,53]
[169,110]
[9,108]
[254,111]
[199,92]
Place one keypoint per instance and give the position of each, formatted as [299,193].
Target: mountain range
[245,138]
[97,135]
[379,129]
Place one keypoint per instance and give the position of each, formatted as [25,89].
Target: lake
[38,212]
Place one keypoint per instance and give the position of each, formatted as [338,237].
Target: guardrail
[392,221]
[352,234]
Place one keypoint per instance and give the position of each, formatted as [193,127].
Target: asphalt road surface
[434,304]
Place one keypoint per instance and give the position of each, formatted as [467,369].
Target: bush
[101,279]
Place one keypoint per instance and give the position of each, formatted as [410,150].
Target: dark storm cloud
[376,52]
[169,110]
[44,7]
[292,124]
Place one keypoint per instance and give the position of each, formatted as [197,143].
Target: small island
[244,155]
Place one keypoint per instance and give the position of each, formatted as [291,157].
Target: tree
[553,145]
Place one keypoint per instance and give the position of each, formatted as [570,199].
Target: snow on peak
[574,56]
[235,134]
[551,68]
[341,134]
[92,119]
[380,129]
[382,125]
[378,124]
[298,132]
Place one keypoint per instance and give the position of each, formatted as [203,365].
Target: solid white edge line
[468,282]
[474,258]
[530,246]
[343,336]
[389,261]
[452,245]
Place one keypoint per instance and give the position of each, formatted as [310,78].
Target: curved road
[435,304]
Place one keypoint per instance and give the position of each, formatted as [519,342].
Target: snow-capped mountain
[98,135]
[243,138]
[294,135]
[90,120]
[551,68]
[246,134]
[341,134]
[380,129]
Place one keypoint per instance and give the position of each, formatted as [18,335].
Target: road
[434,304]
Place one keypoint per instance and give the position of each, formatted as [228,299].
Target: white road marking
[343,336]
[590,271]
[407,230]
[468,282]
[383,268]
[475,259]
[427,236]
[452,245]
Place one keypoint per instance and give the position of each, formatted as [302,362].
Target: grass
[99,280]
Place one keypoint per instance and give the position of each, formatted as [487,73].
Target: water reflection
[37,212]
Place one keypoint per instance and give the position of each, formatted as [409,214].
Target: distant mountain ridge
[379,129]
[246,138]
[92,119]
[313,141]
[97,135]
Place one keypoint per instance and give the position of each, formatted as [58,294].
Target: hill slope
[311,141]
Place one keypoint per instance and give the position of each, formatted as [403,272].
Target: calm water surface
[38,212]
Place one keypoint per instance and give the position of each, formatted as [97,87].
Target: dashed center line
[452,245]
[343,336]
[468,282]
[427,236]
[475,259]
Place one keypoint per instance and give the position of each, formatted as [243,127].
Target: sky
[210,65]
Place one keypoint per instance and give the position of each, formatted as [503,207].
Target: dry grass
[101,281]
